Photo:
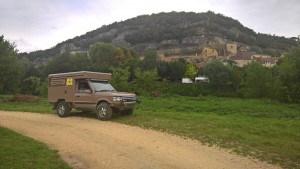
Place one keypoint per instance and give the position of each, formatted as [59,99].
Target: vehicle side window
[83,87]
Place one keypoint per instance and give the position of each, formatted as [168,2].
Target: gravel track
[89,143]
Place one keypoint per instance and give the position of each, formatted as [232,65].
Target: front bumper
[123,105]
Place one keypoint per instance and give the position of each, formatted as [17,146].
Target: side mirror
[138,100]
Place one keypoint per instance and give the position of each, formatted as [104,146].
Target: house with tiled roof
[243,58]
[268,62]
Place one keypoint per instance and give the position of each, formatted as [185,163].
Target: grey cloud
[270,16]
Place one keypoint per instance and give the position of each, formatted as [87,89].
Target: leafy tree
[218,74]
[132,64]
[172,71]
[288,81]
[120,79]
[146,81]
[191,71]
[68,62]
[36,86]
[236,78]
[9,67]
[150,60]
[258,81]
[124,54]
[25,66]
[105,55]
[176,70]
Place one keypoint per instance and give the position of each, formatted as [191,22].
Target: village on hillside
[204,52]
[218,49]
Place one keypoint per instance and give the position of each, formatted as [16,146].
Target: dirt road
[89,143]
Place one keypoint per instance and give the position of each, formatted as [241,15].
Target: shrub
[25,98]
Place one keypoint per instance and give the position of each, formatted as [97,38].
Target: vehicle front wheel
[63,109]
[104,111]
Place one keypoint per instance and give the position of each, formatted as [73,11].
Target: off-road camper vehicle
[88,91]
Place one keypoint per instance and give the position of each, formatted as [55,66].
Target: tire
[63,109]
[127,112]
[104,111]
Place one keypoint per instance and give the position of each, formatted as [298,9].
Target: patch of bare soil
[89,143]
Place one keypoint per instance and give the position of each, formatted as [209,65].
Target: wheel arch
[101,101]
[61,100]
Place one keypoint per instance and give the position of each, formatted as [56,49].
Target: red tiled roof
[243,56]
[271,60]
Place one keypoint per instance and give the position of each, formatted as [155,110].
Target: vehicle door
[84,96]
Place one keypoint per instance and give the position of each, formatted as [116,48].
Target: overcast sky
[41,24]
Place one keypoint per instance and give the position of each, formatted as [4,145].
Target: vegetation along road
[90,143]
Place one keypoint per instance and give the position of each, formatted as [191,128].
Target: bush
[35,86]
[25,98]
[155,94]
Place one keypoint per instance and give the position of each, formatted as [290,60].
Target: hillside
[174,34]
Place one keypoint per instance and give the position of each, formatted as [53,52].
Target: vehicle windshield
[102,86]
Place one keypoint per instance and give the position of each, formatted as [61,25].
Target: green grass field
[263,129]
[17,151]
[259,128]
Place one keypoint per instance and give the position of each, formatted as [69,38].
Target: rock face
[194,40]
[68,47]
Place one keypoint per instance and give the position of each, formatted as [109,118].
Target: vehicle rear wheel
[127,112]
[63,109]
[104,111]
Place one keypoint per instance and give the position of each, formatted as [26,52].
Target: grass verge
[258,128]
[42,106]
[17,151]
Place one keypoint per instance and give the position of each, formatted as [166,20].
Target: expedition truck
[88,91]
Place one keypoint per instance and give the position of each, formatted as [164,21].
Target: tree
[146,81]
[218,74]
[176,70]
[236,78]
[9,67]
[120,79]
[258,81]
[150,60]
[68,62]
[103,55]
[288,80]
[191,71]
[132,64]
[36,86]
[172,71]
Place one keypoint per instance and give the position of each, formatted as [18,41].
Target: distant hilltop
[196,37]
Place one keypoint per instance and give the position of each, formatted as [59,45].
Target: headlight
[117,99]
